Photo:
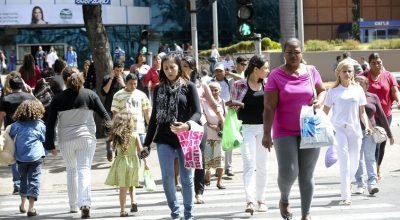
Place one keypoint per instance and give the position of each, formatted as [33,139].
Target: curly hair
[121,130]
[29,110]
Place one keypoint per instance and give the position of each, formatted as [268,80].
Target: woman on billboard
[37,16]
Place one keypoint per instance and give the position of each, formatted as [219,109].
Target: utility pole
[257,43]
[215,23]
[193,21]
[300,21]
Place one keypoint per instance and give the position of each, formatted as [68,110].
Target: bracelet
[188,125]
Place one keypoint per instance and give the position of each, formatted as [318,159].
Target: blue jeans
[30,178]
[16,176]
[166,156]
[367,153]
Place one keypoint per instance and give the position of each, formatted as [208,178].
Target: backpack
[43,92]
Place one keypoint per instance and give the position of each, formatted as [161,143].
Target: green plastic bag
[231,136]
[149,183]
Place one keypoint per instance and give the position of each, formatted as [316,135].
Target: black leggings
[380,148]
[200,173]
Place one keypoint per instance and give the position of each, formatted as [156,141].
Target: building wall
[323,17]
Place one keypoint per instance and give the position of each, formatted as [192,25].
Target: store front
[374,30]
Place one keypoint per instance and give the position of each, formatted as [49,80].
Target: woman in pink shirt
[384,85]
[288,88]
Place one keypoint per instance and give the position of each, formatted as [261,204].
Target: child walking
[28,132]
[124,171]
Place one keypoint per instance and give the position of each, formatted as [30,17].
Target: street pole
[300,21]
[215,23]
[257,43]
[193,18]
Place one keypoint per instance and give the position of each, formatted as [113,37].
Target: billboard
[68,14]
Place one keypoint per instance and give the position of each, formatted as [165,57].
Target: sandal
[123,214]
[284,210]
[32,213]
[219,186]
[21,209]
[306,217]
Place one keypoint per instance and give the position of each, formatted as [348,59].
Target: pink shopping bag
[190,143]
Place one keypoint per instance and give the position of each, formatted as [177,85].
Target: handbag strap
[311,82]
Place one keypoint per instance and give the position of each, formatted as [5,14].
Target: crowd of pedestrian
[149,105]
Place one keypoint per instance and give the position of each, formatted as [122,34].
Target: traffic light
[245,14]
[144,40]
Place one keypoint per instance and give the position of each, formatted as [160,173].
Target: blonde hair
[7,88]
[214,85]
[29,110]
[121,130]
[342,64]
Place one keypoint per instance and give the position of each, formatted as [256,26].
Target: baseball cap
[219,66]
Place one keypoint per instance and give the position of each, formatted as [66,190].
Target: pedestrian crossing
[219,204]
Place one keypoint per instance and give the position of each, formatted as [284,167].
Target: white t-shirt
[136,103]
[345,103]
[51,58]
[215,53]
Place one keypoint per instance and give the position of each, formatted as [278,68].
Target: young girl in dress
[28,131]
[124,171]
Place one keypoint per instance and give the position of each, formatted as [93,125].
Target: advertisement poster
[68,14]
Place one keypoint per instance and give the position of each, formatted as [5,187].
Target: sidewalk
[54,174]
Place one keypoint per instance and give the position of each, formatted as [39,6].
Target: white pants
[255,158]
[348,148]
[78,155]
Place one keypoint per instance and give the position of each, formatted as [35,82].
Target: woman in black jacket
[175,106]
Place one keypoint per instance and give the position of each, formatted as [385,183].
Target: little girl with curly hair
[28,132]
[124,171]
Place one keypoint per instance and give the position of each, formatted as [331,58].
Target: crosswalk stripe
[219,203]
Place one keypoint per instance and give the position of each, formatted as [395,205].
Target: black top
[10,103]
[72,100]
[114,88]
[90,78]
[188,109]
[252,113]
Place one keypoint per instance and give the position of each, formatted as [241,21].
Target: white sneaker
[345,202]
[359,190]
[373,190]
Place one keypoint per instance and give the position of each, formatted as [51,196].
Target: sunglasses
[243,64]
